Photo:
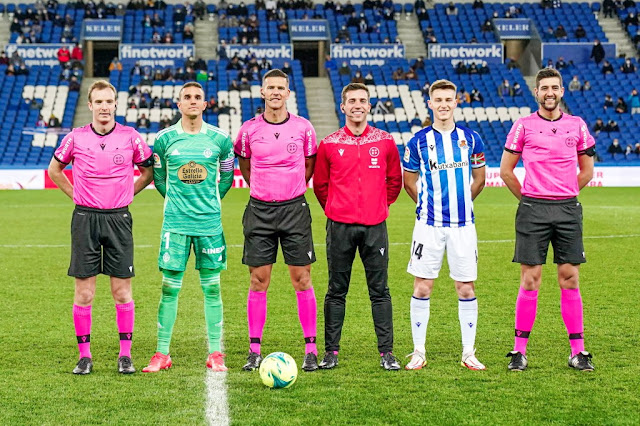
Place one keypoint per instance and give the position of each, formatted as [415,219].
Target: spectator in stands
[631,19]
[483,68]
[143,102]
[225,109]
[586,86]
[74,84]
[10,71]
[425,88]
[628,150]
[636,149]
[22,70]
[463,97]
[168,38]
[614,148]
[451,9]
[580,32]
[517,90]
[156,38]
[411,74]
[358,78]
[64,55]
[597,52]
[476,96]
[607,68]
[53,122]
[233,86]
[199,8]
[477,4]
[612,126]
[461,68]
[634,102]
[344,69]
[608,102]
[146,21]
[234,64]
[608,7]
[575,84]
[599,126]
[40,123]
[16,26]
[286,68]
[549,34]
[505,89]
[380,108]
[4,59]
[560,32]
[77,54]
[418,64]
[187,33]
[156,102]
[487,26]
[561,64]
[511,63]
[628,67]
[244,84]
[368,79]
[473,69]
[143,122]
[621,106]
[398,74]
[164,122]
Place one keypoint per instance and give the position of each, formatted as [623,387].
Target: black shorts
[101,243]
[539,222]
[265,223]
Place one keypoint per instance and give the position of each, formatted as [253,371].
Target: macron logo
[341,151]
[382,251]
[309,254]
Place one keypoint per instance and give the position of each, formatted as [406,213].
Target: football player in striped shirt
[187,158]
[443,173]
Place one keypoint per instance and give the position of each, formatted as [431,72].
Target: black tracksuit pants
[372,243]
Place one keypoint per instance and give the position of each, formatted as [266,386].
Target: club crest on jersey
[462,144]
[207,153]
[291,148]
[192,173]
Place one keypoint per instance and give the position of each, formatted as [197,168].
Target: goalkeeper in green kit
[187,159]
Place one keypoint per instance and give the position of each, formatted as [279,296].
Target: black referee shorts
[266,223]
[540,222]
[101,243]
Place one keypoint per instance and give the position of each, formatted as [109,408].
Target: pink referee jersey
[103,164]
[277,153]
[550,152]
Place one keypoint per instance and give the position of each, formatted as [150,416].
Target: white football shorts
[429,245]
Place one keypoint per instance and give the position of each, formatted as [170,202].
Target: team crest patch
[118,159]
[156,161]
[571,141]
[407,155]
[462,143]
[374,152]
[291,148]
[166,257]
[207,153]
[192,173]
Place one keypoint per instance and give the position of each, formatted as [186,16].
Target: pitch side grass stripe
[588,237]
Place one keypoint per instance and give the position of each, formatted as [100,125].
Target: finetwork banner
[155,55]
[491,53]
[513,29]
[579,53]
[268,51]
[308,29]
[102,29]
[367,54]
[36,54]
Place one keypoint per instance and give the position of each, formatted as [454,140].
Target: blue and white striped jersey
[444,161]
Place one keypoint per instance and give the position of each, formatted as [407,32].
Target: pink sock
[256,317]
[571,309]
[82,324]
[526,307]
[125,317]
[307,313]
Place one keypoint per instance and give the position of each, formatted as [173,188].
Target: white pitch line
[588,237]
[216,410]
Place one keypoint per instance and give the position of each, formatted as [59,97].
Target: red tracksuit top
[357,178]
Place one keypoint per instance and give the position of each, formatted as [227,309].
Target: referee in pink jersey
[553,145]
[276,152]
[103,155]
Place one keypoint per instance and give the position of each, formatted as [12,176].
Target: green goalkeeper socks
[210,283]
[168,309]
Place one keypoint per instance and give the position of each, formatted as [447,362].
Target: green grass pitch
[39,350]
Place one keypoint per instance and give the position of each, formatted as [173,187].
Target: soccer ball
[278,370]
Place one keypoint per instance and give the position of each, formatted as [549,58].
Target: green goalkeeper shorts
[210,251]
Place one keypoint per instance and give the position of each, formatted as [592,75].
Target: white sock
[468,315]
[420,309]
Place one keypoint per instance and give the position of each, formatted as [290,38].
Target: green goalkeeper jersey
[185,172]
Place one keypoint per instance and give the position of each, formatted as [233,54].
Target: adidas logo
[175,152]
[341,151]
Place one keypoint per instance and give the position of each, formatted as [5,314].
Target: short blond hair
[442,84]
[99,85]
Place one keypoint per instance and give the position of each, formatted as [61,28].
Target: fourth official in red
[357,177]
